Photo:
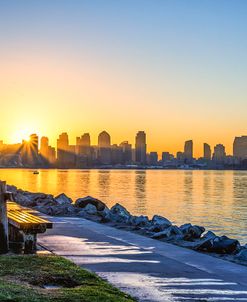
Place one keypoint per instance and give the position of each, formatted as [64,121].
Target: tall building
[219,153]
[30,151]
[127,152]
[65,152]
[188,150]
[104,148]
[207,154]
[104,140]
[141,148]
[240,147]
[44,146]
[83,151]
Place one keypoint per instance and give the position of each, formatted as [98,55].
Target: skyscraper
[188,150]
[207,151]
[44,144]
[127,152]
[65,152]
[141,148]
[219,155]
[240,147]
[104,140]
[104,148]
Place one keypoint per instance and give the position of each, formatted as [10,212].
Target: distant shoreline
[127,168]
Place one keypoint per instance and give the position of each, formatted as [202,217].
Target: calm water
[215,199]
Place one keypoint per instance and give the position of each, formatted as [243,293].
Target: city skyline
[42,146]
[198,149]
[174,68]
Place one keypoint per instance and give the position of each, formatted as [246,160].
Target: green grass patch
[23,278]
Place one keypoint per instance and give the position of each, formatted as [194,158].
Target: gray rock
[169,233]
[159,220]
[242,255]
[12,189]
[63,199]
[24,200]
[220,245]
[139,220]
[83,202]
[58,210]
[119,213]
[191,231]
[90,209]
[46,202]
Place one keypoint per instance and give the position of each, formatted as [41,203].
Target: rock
[63,199]
[139,220]
[58,210]
[46,202]
[24,200]
[159,220]
[191,231]
[12,189]
[209,235]
[219,245]
[242,255]
[90,209]
[118,213]
[169,233]
[83,202]
[157,228]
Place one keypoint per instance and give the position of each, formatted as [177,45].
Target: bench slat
[22,217]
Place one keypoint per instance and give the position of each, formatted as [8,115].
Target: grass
[23,277]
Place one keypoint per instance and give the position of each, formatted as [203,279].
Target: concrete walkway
[145,268]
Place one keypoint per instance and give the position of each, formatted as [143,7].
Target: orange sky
[163,69]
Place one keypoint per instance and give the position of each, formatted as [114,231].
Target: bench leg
[16,239]
[30,241]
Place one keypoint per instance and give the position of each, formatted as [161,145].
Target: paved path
[145,268]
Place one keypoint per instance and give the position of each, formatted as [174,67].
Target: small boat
[35,172]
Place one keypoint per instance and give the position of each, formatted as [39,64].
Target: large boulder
[24,200]
[171,233]
[118,213]
[83,202]
[191,231]
[219,245]
[159,220]
[141,221]
[63,199]
[90,209]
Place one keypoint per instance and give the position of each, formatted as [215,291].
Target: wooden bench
[24,225]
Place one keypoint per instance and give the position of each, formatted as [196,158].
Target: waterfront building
[104,148]
[167,157]
[240,147]
[153,159]
[126,152]
[219,155]
[141,148]
[30,151]
[180,156]
[83,151]
[207,154]
[116,154]
[188,150]
[65,152]
[44,145]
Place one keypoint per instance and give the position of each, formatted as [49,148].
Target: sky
[176,69]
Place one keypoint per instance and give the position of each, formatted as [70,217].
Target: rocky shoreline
[160,228]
